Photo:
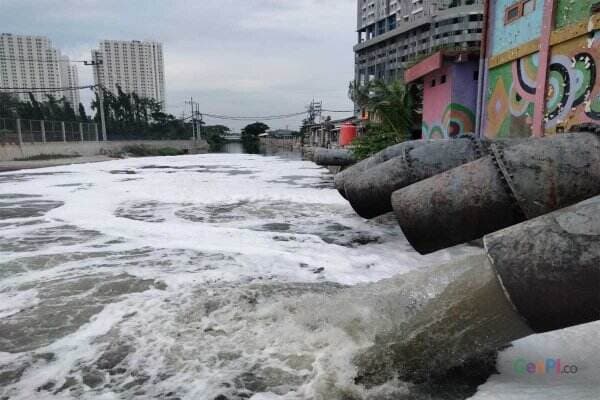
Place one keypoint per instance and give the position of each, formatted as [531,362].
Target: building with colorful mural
[541,61]
[449,81]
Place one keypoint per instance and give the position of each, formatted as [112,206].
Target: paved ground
[17,165]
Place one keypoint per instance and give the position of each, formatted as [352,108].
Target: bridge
[232,137]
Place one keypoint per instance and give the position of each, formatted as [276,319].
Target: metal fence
[19,131]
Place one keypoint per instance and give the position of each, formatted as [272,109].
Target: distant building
[327,132]
[279,133]
[542,60]
[450,81]
[69,77]
[135,66]
[394,34]
[31,62]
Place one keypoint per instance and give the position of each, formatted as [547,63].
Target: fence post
[43,129]
[96,132]
[19,133]
[81,130]
[64,131]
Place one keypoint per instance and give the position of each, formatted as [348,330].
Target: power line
[46,88]
[253,118]
[45,61]
[25,90]
[338,111]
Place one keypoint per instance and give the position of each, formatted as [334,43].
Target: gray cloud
[234,57]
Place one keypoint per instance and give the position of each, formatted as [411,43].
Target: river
[221,276]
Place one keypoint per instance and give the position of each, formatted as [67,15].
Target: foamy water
[217,277]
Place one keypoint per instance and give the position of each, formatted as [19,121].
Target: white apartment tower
[135,66]
[31,62]
[69,78]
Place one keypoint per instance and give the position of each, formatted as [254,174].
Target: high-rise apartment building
[28,62]
[69,78]
[135,66]
[394,34]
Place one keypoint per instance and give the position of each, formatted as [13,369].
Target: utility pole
[96,65]
[196,118]
[191,103]
[195,130]
[200,122]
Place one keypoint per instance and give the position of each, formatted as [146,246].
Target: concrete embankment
[6,166]
[10,152]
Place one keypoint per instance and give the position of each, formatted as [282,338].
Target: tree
[82,114]
[214,135]
[394,109]
[250,135]
[8,105]
[255,129]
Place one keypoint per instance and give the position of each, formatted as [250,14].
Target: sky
[234,57]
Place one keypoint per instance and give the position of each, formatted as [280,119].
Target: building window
[475,75]
[443,80]
[512,14]
[518,10]
[528,7]
[433,83]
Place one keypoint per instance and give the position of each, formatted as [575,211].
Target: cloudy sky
[235,57]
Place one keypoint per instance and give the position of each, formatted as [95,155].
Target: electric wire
[43,61]
[25,90]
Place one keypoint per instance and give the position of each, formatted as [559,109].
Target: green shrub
[147,151]
[374,141]
[44,157]
[169,151]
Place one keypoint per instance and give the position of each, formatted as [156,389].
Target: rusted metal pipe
[369,192]
[513,184]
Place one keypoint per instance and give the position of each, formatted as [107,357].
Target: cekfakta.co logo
[549,366]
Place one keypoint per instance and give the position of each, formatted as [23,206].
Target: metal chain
[476,145]
[408,162]
[499,162]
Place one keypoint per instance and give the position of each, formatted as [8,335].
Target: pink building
[449,93]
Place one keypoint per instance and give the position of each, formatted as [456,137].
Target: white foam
[210,260]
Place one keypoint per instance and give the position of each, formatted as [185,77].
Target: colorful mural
[510,98]
[456,120]
[572,11]
[573,95]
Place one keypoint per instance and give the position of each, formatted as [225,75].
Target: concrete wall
[435,101]
[9,152]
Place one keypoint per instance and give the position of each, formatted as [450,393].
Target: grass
[45,157]
[147,151]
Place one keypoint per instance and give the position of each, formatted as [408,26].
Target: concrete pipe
[382,156]
[369,192]
[334,157]
[537,276]
[550,266]
[511,185]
